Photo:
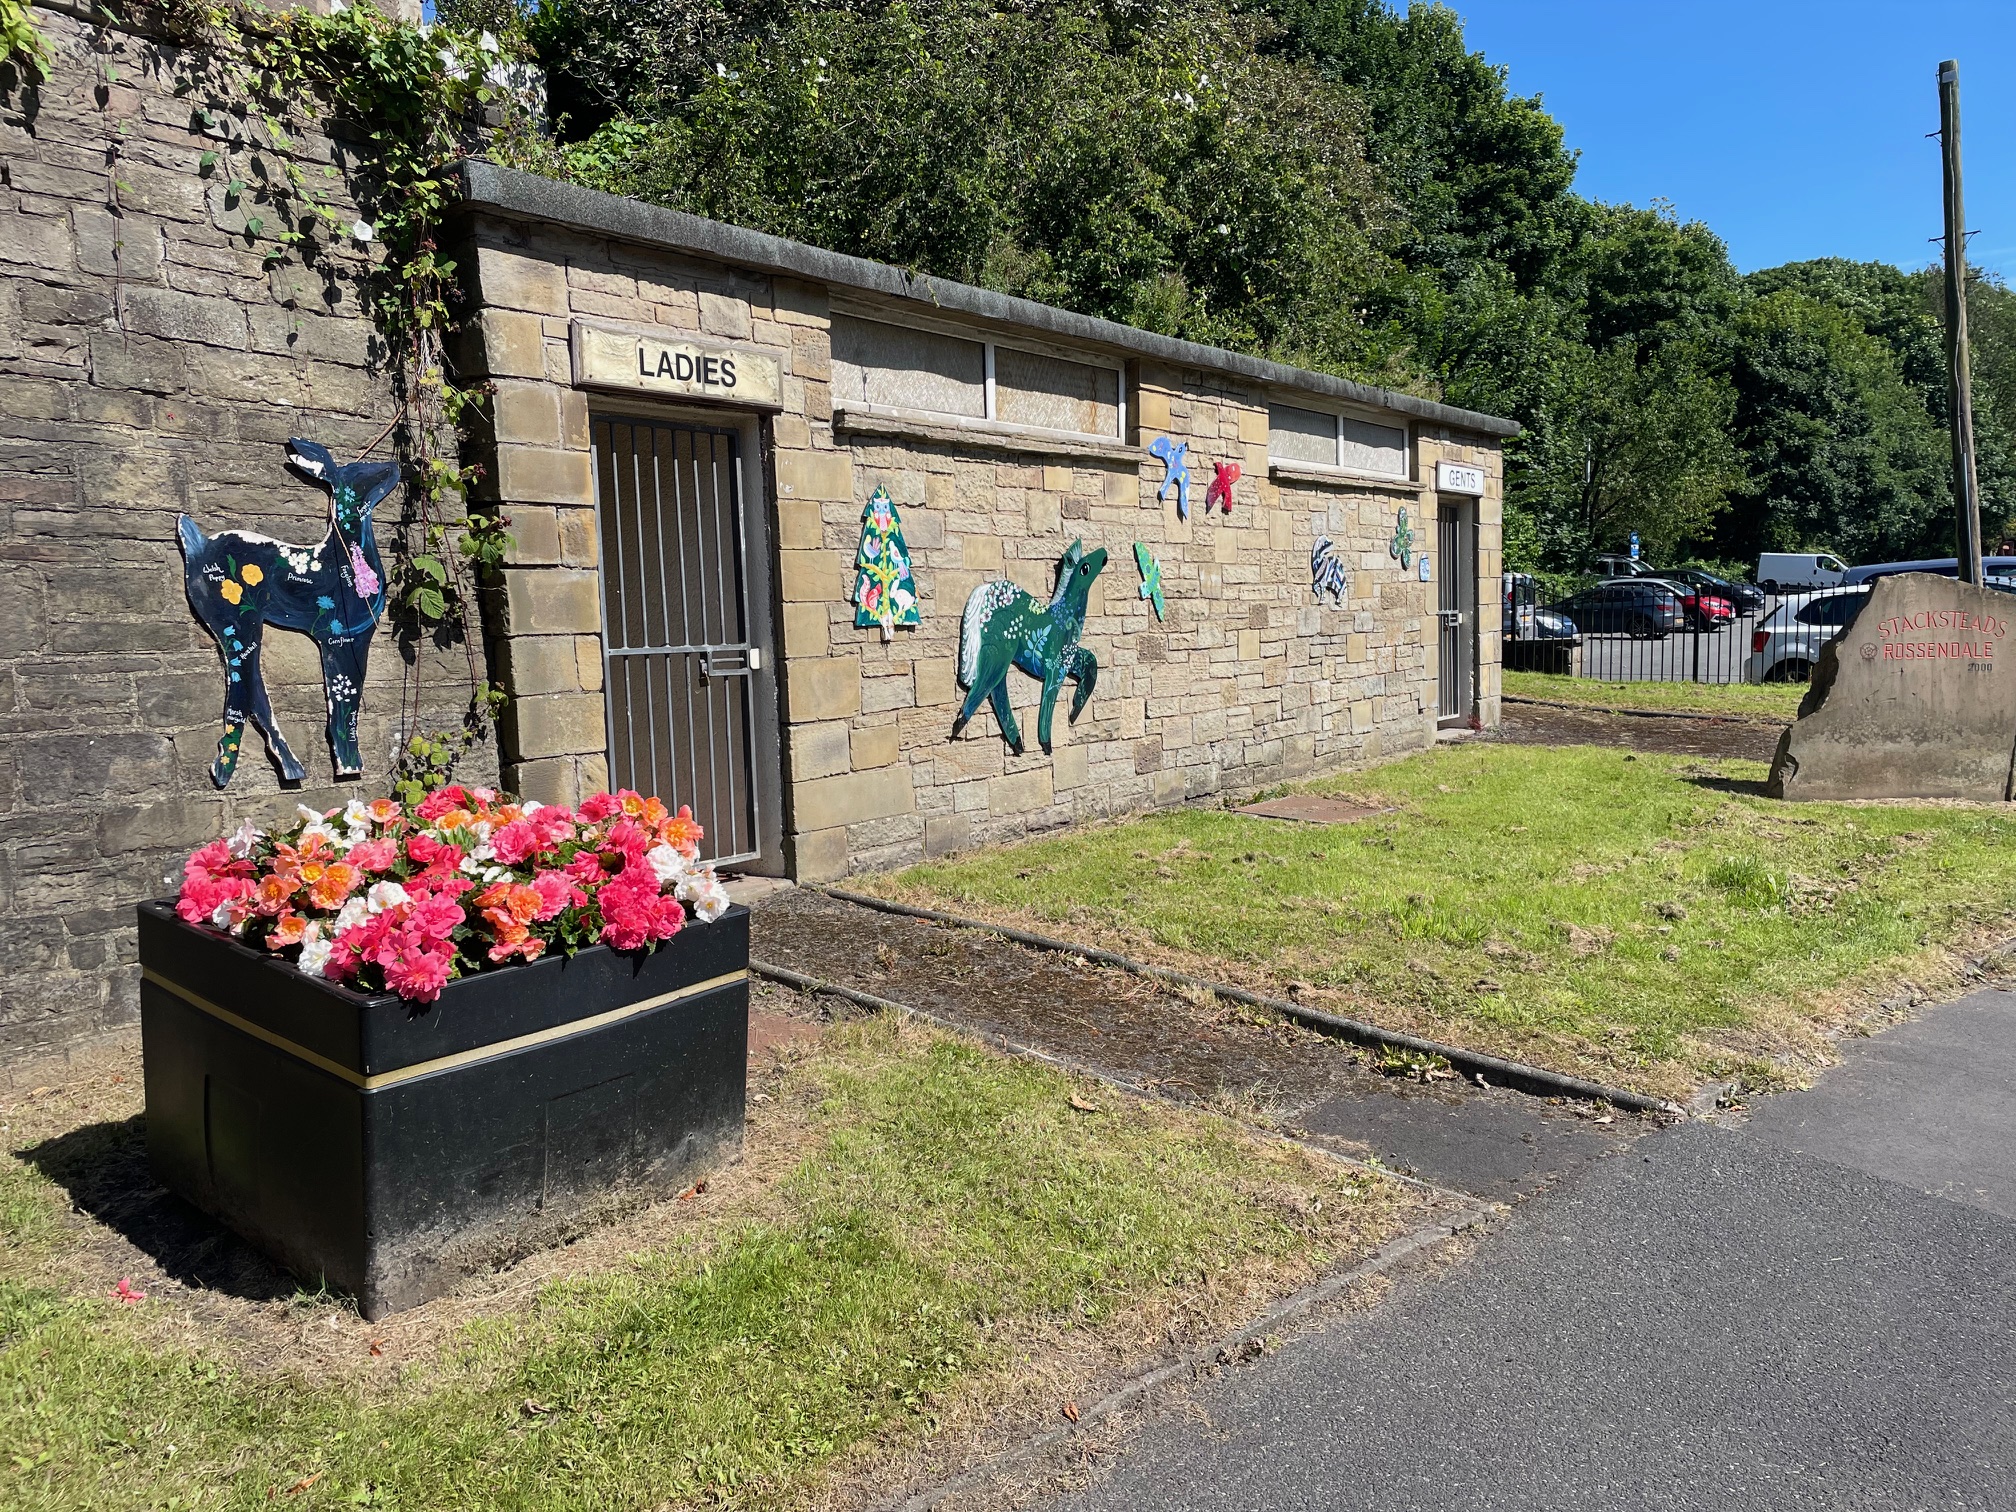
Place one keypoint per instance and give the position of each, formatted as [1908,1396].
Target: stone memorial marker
[1916,698]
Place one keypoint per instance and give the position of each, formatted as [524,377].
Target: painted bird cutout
[1151,577]
[1326,572]
[1004,628]
[239,582]
[1175,472]
[1220,491]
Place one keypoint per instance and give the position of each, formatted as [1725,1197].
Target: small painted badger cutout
[1003,628]
[240,582]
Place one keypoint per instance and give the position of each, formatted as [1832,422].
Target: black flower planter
[385,1149]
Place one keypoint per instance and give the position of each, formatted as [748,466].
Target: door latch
[752,661]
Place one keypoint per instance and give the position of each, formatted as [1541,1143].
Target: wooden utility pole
[1960,391]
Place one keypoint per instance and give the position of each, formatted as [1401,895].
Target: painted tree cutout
[1004,628]
[1220,491]
[239,582]
[884,592]
[1175,472]
[1151,577]
[1401,549]
[1326,572]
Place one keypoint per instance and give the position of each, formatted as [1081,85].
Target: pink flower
[634,914]
[557,892]
[126,1291]
[367,580]
[440,801]
[435,918]
[418,974]
[599,807]
[516,842]
[374,855]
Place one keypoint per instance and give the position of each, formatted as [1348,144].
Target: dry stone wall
[152,365]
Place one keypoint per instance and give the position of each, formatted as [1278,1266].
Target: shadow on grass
[103,1169]
[1741,787]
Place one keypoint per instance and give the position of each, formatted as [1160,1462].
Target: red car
[1704,611]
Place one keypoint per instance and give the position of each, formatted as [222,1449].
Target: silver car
[1786,643]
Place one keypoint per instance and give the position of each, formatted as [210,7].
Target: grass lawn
[917,1221]
[1750,700]
[1645,919]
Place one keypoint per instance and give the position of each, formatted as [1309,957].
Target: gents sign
[672,364]
[1937,635]
[1459,477]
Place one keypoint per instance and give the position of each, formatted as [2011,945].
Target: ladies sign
[676,364]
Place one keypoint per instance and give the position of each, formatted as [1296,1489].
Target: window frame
[1338,414]
[988,342]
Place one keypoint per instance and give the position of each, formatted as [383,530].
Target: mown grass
[1750,700]
[1646,919]
[949,1201]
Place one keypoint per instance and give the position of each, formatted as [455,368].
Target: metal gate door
[686,681]
[1457,597]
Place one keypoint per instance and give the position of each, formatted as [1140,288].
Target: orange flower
[273,895]
[682,833]
[454,819]
[338,880]
[384,810]
[288,929]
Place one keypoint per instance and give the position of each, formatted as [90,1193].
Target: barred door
[1457,598]
[691,701]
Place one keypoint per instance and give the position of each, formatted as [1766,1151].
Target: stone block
[1056,480]
[1280,530]
[820,855]
[946,834]
[855,798]
[175,316]
[790,433]
[555,724]
[1044,514]
[542,475]
[815,475]
[126,247]
[588,661]
[805,630]
[174,824]
[874,746]
[121,361]
[535,536]
[513,344]
[1253,430]
[528,414]
[579,542]
[810,577]
[554,779]
[936,679]
[819,750]
[724,315]
[826,687]
[39,241]
[1151,408]
[1071,768]
[552,601]
[1123,489]
[799,526]
[980,553]
[1019,792]
[535,664]
[509,280]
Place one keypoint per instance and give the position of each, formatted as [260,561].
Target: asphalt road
[1814,1307]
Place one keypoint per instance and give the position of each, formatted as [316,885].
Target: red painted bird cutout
[1220,491]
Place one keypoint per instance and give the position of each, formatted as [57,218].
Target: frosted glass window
[1374,448]
[1030,389]
[1300,435]
[906,368]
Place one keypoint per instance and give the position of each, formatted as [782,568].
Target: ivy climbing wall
[153,362]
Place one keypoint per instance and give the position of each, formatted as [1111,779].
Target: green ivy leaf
[206,162]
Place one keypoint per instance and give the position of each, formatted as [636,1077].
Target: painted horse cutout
[1175,472]
[1004,628]
[1327,577]
[240,582]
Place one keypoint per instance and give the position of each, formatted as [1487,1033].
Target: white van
[1799,571]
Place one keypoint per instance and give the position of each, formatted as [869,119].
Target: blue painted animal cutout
[239,582]
[1327,576]
[1175,472]
[1004,628]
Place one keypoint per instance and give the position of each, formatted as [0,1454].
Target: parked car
[1745,599]
[1526,620]
[1787,642]
[1800,571]
[1992,567]
[1704,611]
[1624,567]
[1626,606]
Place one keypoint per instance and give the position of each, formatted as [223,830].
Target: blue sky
[1794,128]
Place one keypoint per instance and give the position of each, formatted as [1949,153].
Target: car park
[1626,606]
[1526,619]
[1992,567]
[1787,642]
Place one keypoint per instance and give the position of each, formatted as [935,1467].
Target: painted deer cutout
[240,582]
[1004,627]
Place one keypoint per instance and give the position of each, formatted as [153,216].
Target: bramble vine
[413,99]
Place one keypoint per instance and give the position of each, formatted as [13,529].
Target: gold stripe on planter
[445,1062]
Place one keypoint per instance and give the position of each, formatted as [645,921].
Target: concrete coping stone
[510,192]
[995,435]
[1340,477]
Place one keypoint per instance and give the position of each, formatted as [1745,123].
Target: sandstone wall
[151,364]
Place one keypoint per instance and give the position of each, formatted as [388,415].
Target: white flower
[363,230]
[488,42]
[353,912]
[247,835]
[384,895]
[452,65]
[314,955]
[496,873]
[221,914]
[530,807]
[712,902]
[669,865]
[470,866]
[356,816]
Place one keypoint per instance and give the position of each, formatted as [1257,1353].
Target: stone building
[688,422]
[652,368]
